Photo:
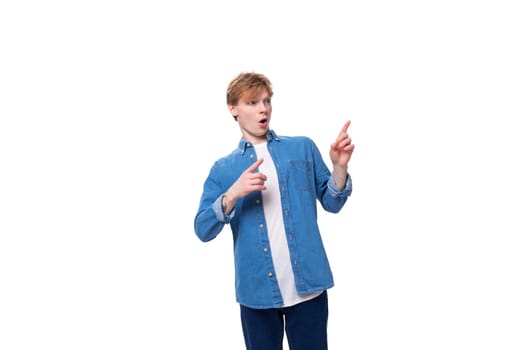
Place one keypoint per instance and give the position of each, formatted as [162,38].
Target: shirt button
[258,201]
[261,225]
[251,155]
[265,250]
[270,274]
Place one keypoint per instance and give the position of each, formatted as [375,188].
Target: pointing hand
[249,181]
[341,150]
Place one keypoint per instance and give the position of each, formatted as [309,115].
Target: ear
[233,111]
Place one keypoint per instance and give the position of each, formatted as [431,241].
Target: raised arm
[340,153]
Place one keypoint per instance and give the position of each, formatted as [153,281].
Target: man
[267,191]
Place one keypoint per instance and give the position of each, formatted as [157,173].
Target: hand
[248,182]
[341,150]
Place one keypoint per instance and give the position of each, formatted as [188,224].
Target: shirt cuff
[217,208]
[334,191]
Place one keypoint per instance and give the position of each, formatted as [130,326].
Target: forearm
[228,201]
[340,175]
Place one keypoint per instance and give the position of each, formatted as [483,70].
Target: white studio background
[112,113]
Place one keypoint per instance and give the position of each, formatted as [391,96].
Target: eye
[252,102]
[268,101]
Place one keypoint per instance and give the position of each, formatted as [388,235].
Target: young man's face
[253,116]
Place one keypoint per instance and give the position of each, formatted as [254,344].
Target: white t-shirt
[276,233]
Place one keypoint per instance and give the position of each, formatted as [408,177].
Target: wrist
[227,203]
[340,168]
[224,206]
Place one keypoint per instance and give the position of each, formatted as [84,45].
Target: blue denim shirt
[304,179]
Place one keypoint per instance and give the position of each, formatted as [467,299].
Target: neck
[255,139]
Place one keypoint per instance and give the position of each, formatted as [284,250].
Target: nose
[263,107]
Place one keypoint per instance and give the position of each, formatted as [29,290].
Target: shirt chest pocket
[301,174]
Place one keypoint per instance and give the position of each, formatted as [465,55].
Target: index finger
[345,127]
[255,165]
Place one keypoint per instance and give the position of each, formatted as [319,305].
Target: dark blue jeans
[305,325]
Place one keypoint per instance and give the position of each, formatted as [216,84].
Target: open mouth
[263,121]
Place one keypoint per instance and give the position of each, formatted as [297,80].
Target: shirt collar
[271,136]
